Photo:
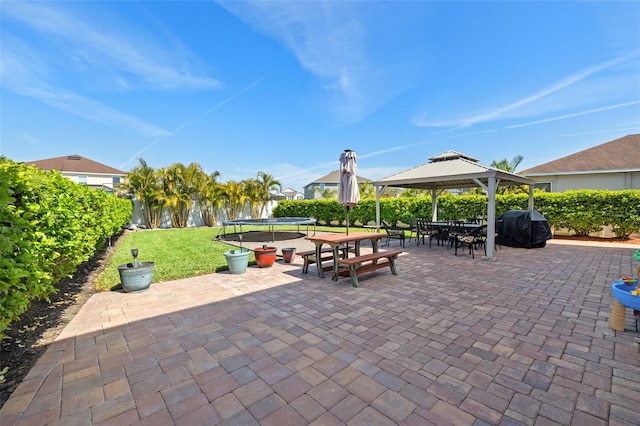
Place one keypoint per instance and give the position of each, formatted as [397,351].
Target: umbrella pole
[347,220]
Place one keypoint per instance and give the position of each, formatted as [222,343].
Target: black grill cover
[523,228]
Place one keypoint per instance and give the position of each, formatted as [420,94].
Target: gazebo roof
[451,170]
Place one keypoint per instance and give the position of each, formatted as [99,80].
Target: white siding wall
[610,181]
[92,179]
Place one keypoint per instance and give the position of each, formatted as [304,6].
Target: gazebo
[453,170]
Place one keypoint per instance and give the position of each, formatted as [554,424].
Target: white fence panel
[195,218]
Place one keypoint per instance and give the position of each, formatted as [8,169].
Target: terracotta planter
[288,254]
[265,256]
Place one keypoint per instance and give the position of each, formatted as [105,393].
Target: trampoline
[270,223]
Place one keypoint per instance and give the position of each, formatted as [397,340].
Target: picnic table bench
[369,262]
[309,257]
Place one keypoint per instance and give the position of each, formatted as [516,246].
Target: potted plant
[265,256]
[237,259]
[288,253]
[136,276]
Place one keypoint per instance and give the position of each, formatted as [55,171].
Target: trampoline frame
[271,223]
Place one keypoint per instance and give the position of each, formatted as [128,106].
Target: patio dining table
[335,241]
[442,227]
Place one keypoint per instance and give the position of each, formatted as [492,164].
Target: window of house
[116,180]
[82,179]
[545,186]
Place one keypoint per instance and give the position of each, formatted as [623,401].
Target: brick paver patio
[450,340]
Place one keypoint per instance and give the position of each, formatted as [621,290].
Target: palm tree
[326,193]
[209,198]
[390,192]
[144,184]
[509,166]
[253,193]
[413,193]
[367,190]
[266,182]
[180,184]
[234,198]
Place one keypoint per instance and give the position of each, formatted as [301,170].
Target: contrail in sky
[189,123]
[229,99]
[575,114]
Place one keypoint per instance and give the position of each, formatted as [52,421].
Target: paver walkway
[450,340]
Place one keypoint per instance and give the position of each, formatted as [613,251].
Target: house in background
[292,194]
[286,194]
[330,181]
[83,171]
[613,165]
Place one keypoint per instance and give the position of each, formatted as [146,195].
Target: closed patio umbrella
[349,194]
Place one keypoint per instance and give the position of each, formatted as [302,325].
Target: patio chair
[439,232]
[413,229]
[427,229]
[422,230]
[472,240]
[393,233]
[456,228]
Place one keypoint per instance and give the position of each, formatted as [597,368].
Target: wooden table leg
[319,259]
[336,265]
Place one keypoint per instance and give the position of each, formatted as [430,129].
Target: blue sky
[284,87]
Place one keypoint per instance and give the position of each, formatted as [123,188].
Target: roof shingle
[618,154]
[334,177]
[74,164]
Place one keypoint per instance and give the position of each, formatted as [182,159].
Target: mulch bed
[631,241]
[27,339]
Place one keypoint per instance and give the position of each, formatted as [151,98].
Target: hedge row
[48,226]
[582,211]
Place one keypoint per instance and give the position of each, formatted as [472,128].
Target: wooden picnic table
[336,240]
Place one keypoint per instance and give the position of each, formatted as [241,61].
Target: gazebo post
[491,218]
[379,190]
[434,205]
[531,197]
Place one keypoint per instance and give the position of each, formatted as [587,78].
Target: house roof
[74,164]
[334,177]
[451,170]
[617,155]
[289,190]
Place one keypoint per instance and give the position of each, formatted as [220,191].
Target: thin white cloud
[557,118]
[29,139]
[18,75]
[189,123]
[298,177]
[327,38]
[304,175]
[99,47]
[507,111]
[612,130]
[386,151]
[575,114]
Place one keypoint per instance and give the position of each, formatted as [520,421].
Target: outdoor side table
[622,299]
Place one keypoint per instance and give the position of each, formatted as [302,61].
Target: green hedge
[48,226]
[582,211]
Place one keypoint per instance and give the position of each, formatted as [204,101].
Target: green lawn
[177,253]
